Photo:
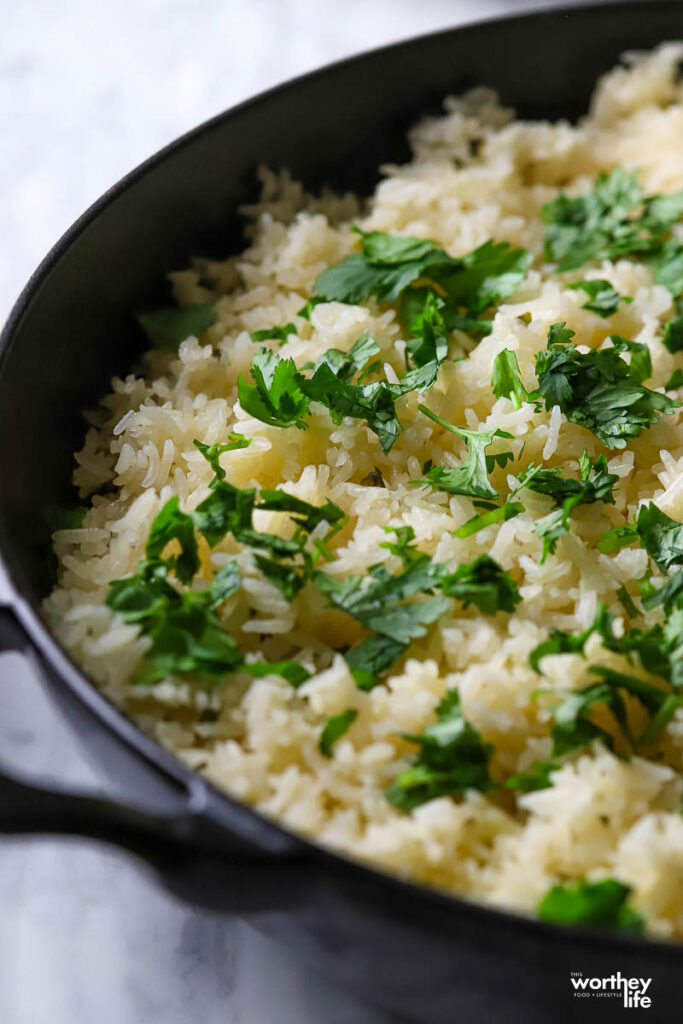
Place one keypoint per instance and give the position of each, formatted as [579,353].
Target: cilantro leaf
[334,729]
[276,333]
[429,341]
[617,537]
[452,758]
[597,390]
[603,904]
[372,656]
[373,403]
[495,515]
[276,396]
[675,381]
[573,727]
[172,524]
[538,777]
[595,483]
[305,515]
[597,225]
[404,546]
[603,299]
[226,582]
[483,583]
[660,535]
[471,478]
[346,364]
[489,273]
[640,364]
[667,266]
[380,605]
[672,337]
[505,379]
[388,264]
[294,673]
[309,306]
[212,452]
[166,328]
[289,579]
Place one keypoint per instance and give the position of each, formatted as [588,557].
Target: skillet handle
[197,858]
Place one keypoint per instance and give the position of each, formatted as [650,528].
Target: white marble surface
[87,90]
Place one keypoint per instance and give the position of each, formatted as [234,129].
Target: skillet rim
[201,793]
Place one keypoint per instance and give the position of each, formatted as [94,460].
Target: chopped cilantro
[483,583]
[672,337]
[574,728]
[404,546]
[277,333]
[305,515]
[334,729]
[372,656]
[166,328]
[617,537]
[495,515]
[538,777]
[667,266]
[660,535]
[429,344]
[276,396]
[602,297]
[172,524]
[373,403]
[471,478]
[381,604]
[505,379]
[186,635]
[387,265]
[452,758]
[212,452]
[675,381]
[640,363]
[597,390]
[603,904]
[308,307]
[604,223]
[595,483]
[345,365]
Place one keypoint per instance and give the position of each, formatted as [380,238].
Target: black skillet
[424,955]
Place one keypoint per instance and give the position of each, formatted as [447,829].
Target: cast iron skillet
[422,954]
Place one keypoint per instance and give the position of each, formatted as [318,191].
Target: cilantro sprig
[595,483]
[602,904]
[603,298]
[387,265]
[451,759]
[598,390]
[610,220]
[471,478]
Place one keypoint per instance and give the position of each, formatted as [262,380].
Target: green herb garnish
[452,758]
[166,328]
[471,478]
[603,904]
[334,729]
[597,390]
[603,299]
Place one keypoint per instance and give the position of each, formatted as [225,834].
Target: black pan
[422,954]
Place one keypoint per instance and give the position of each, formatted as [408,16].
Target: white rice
[603,815]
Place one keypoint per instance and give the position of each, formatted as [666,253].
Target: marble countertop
[88,90]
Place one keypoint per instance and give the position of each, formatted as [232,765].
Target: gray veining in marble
[87,90]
